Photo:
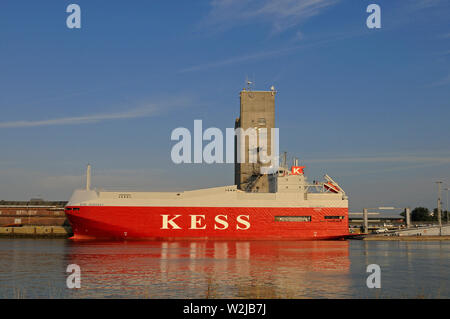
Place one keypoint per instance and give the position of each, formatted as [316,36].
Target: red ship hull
[216,223]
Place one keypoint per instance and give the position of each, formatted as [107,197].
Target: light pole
[439,203]
[446,210]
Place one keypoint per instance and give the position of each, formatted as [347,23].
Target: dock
[36,231]
[432,233]
[407,238]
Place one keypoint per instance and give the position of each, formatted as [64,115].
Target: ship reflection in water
[31,268]
[212,269]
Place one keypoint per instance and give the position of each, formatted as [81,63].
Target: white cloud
[88,119]
[266,54]
[385,159]
[237,59]
[384,164]
[421,4]
[281,14]
[443,81]
[299,36]
[147,111]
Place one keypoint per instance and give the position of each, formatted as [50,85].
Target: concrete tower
[257,111]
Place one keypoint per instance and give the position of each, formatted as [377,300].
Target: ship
[280,205]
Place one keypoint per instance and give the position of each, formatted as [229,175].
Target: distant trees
[421,214]
[443,214]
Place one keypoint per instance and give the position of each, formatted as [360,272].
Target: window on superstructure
[334,217]
[124,195]
[292,218]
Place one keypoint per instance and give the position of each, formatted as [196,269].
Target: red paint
[205,223]
[297,170]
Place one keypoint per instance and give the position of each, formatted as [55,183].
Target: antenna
[249,83]
[272,89]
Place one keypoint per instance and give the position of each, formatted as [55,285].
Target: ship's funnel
[88,177]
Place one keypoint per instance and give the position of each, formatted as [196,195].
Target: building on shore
[33,212]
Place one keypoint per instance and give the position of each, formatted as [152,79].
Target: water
[36,268]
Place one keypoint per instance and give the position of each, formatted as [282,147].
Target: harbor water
[37,268]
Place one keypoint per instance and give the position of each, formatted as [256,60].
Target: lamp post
[446,210]
[439,203]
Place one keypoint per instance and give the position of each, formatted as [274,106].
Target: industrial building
[257,110]
[33,212]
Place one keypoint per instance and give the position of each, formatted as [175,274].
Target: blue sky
[369,107]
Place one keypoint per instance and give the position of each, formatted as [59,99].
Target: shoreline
[407,238]
[66,232]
